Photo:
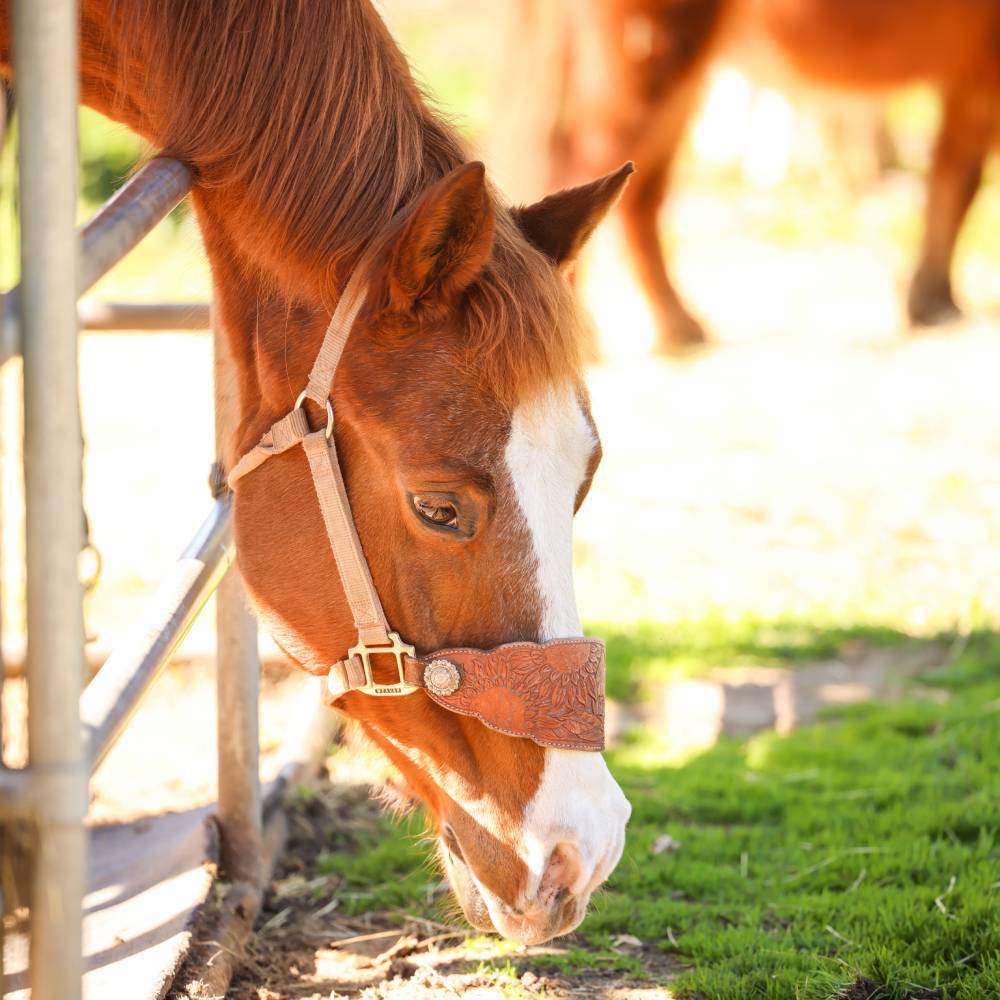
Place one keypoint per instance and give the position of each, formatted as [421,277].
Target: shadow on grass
[649,652]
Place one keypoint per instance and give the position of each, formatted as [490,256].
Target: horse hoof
[932,308]
[680,336]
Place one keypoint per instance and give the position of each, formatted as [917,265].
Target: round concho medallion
[442,677]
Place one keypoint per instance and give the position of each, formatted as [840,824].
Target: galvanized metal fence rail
[69,735]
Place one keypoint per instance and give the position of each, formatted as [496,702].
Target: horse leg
[676,328]
[968,122]
[662,78]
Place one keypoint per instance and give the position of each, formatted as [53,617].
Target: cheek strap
[328,480]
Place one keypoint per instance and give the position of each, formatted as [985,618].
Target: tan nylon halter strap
[355,577]
[320,385]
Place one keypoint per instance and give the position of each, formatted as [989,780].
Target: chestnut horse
[631,72]
[463,426]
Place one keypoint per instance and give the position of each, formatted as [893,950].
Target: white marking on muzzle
[578,805]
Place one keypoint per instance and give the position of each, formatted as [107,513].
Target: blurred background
[818,485]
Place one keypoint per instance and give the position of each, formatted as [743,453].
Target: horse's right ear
[560,224]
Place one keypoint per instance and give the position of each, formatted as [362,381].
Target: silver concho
[442,677]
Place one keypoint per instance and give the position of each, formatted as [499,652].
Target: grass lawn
[855,858]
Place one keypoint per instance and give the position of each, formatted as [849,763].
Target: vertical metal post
[237,680]
[45,63]
[3,135]
[4,849]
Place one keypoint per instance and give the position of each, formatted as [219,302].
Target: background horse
[624,77]
[462,423]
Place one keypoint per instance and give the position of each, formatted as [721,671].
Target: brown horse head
[467,444]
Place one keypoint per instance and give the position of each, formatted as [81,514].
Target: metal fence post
[45,61]
[237,681]
[3,669]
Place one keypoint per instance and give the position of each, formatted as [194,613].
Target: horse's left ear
[444,242]
[560,224]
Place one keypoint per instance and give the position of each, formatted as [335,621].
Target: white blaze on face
[547,454]
[578,806]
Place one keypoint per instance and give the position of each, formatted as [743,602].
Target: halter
[549,692]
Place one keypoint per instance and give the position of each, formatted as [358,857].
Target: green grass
[862,849]
[385,868]
[810,861]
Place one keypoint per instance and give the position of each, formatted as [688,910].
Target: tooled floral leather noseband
[550,692]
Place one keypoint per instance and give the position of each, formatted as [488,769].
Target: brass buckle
[398,649]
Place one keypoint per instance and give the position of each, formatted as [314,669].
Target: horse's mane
[308,109]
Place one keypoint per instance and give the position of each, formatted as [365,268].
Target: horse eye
[436,511]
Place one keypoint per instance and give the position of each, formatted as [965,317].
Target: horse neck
[305,131]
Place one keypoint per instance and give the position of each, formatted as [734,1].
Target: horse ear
[445,241]
[561,224]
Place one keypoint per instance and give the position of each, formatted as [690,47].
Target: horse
[463,428]
[629,75]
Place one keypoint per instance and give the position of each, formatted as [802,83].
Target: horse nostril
[561,873]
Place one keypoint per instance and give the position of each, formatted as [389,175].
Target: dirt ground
[307,950]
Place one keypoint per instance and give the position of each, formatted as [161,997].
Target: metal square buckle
[398,649]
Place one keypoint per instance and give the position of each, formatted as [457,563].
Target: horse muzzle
[553,910]
[536,885]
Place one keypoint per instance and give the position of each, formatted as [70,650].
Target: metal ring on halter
[329,411]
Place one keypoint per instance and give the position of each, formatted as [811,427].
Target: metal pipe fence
[144,200]
[237,681]
[144,315]
[70,734]
[45,30]
[111,698]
